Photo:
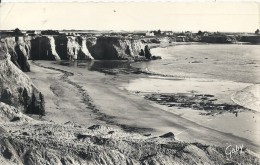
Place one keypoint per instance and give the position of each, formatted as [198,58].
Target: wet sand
[119,107]
[237,120]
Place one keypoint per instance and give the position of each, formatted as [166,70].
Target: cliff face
[71,48]
[43,48]
[114,48]
[16,88]
[19,49]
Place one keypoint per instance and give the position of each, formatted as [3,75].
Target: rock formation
[29,142]
[147,52]
[19,50]
[141,53]
[70,47]
[114,48]
[62,47]
[16,88]
[43,48]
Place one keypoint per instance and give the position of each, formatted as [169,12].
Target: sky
[215,16]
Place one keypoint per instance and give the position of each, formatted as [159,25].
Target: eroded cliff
[114,48]
[16,88]
[62,47]
[71,47]
[19,49]
[44,48]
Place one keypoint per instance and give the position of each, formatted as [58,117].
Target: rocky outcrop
[16,88]
[147,52]
[62,47]
[70,47]
[84,53]
[10,114]
[114,48]
[19,49]
[43,48]
[59,47]
[69,143]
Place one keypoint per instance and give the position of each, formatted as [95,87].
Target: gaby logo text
[233,149]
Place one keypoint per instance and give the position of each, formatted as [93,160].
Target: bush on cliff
[42,104]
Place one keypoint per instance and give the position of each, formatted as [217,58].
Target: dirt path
[118,107]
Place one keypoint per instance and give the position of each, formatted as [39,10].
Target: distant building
[168,33]
[151,34]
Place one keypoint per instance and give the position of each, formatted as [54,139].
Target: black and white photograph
[130,83]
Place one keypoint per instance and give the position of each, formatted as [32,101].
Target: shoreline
[248,97]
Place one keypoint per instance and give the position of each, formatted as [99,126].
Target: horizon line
[129,30]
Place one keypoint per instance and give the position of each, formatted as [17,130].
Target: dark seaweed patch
[195,101]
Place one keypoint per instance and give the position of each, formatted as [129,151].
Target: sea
[240,63]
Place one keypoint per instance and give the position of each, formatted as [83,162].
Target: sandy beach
[112,103]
